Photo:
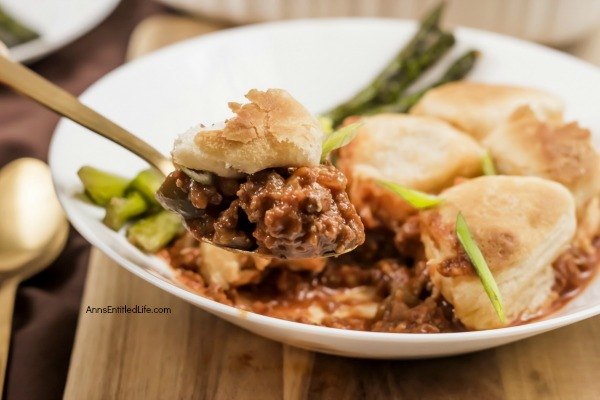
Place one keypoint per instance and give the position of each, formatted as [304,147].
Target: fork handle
[32,85]
[8,290]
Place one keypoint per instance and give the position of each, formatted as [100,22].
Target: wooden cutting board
[191,354]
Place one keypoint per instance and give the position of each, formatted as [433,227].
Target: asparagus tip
[433,17]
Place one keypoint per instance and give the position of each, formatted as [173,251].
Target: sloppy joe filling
[383,285]
[297,212]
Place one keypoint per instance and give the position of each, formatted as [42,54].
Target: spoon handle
[8,290]
[27,82]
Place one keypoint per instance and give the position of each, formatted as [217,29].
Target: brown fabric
[47,305]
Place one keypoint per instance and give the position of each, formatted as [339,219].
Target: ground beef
[390,264]
[305,214]
[398,282]
[574,269]
[288,213]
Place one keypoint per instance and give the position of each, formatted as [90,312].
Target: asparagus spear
[433,48]
[423,50]
[147,183]
[154,232]
[458,70]
[12,32]
[101,186]
[121,209]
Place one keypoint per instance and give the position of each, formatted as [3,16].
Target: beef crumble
[383,285]
[296,212]
[574,269]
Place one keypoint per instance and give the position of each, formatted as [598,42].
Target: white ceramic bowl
[555,22]
[321,62]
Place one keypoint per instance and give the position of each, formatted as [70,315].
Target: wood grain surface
[190,354]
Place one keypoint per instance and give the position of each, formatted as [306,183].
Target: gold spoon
[25,81]
[33,232]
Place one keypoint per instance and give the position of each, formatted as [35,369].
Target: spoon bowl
[33,232]
[30,215]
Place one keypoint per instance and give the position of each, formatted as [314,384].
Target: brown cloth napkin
[47,305]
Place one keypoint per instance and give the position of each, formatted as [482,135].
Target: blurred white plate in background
[553,22]
[320,62]
[59,22]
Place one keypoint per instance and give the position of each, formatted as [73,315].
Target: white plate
[321,62]
[59,22]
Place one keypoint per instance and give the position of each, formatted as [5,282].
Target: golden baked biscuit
[421,153]
[477,108]
[272,130]
[521,225]
[526,145]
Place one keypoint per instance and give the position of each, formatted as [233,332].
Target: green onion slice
[415,198]
[487,279]
[488,164]
[339,138]
[326,124]
[202,177]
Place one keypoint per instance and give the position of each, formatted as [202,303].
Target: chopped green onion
[202,177]
[487,279]
[339,138]
[415,198]
[326,124]
[488,164]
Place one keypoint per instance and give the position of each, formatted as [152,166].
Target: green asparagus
[147,183]
[424,49]
[154,232]
[121,209]
[434,47]
[12,32]
[458,70]
[101,186]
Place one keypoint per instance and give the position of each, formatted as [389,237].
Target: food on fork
[421,153]
[272,130]
[477,108]
[256,182]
